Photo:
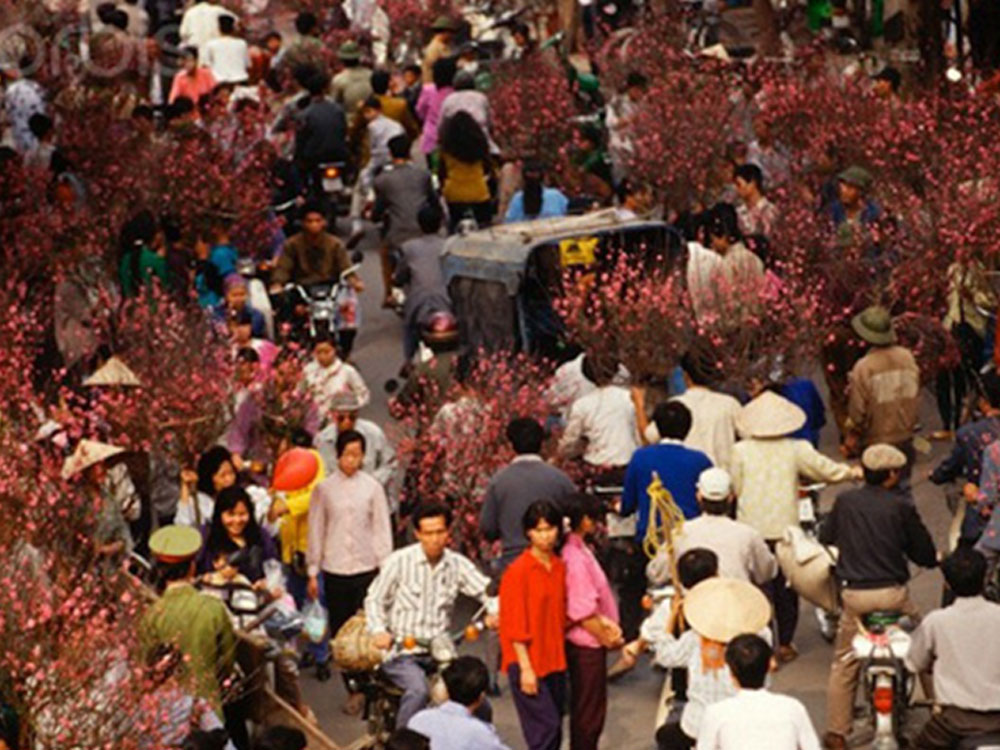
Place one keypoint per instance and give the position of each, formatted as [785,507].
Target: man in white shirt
[227,56]
[601,426]
[741,550]
[959,643]
[713,415]
[200,25]
[755,718]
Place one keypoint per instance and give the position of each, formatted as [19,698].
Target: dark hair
[347,437]
[525,434]
[181,107]
[136,232]
[965,571]
[40,125]
[599,370]
[305,22]
[300,437]
[697,565]
[430,217]
[281,738]
[105,11]
[464,81]
[174,571]
[722,222]
[247,354]
[635,78]
[444,72]
[143,112]
[461,137]
[750,173]
[749,659]
[189,51]
[579,506]
[399,147]
[198,739]
[415,69]
[314,81]
[431,510]
[876,477]
[466,679]
[226,24]
[323,336]
[271,35]
[218,540]
[380,81]
[692,363]
[541,510]
[991,388]
[208,465]
[532,195]
[241,317]
[373,102]
[118,19]
[407,739]
[673,420]
[313,207]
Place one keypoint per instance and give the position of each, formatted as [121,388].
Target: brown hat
[883,456]
[722,608]
[769,416]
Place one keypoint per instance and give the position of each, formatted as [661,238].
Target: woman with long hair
[535,201]
[234,540]
[200,488]
[464,170]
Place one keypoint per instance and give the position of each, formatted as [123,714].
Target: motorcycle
[329,307]
[881,645]
[382,695]
[335,183]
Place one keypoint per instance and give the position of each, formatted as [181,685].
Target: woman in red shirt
[533,629]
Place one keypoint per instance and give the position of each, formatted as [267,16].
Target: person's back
[323,135]
[605,419]
[875,530]
[228,57]
[884,395]
[399,194]
[422,256]
[740,548]
[351,87]
[713,423]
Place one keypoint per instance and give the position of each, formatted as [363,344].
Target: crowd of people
[303,501]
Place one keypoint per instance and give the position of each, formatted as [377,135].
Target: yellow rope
[665,521]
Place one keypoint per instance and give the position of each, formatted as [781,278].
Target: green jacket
[198,625]
[150,265]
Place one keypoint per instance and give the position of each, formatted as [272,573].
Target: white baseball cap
[715,484]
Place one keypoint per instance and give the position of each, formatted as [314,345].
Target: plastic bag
[314,620]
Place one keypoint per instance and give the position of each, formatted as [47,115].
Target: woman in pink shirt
[593,616]
[432,97]
[194,81]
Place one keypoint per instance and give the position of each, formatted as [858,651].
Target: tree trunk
[769,41]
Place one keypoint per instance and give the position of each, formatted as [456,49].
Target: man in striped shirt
[414,597]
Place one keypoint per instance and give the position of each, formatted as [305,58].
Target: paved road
[633,699]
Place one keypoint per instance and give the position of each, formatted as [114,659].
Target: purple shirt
[588,592]
[429,111]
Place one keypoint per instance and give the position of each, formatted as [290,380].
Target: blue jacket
[802,392]
[678,468]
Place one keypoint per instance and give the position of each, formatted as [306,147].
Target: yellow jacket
[295,524]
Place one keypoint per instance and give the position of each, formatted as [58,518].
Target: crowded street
[499,374]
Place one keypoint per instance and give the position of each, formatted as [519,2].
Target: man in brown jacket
[883,389]
[313,256]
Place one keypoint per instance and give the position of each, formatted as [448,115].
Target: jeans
[409,676]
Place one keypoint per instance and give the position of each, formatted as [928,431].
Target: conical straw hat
[113,372]
[88,453]
[769,415]
[722,608]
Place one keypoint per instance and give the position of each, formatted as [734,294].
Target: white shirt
[742,552]
[606,419]
[569,383]
[713,423]
[757,720]
[228,57]
[705,686]
[324,383]
[200,25]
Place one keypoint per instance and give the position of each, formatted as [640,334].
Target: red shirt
[533,611]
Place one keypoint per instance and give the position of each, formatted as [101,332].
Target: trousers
[844,671]
[588,695]
[949,724]
[540,715]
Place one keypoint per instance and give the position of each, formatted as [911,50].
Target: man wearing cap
[876,529]
[380,456]
[853,210]
[765,468]
[741,549]
[439,46]
[196,623]
[883,389]
[353,84]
